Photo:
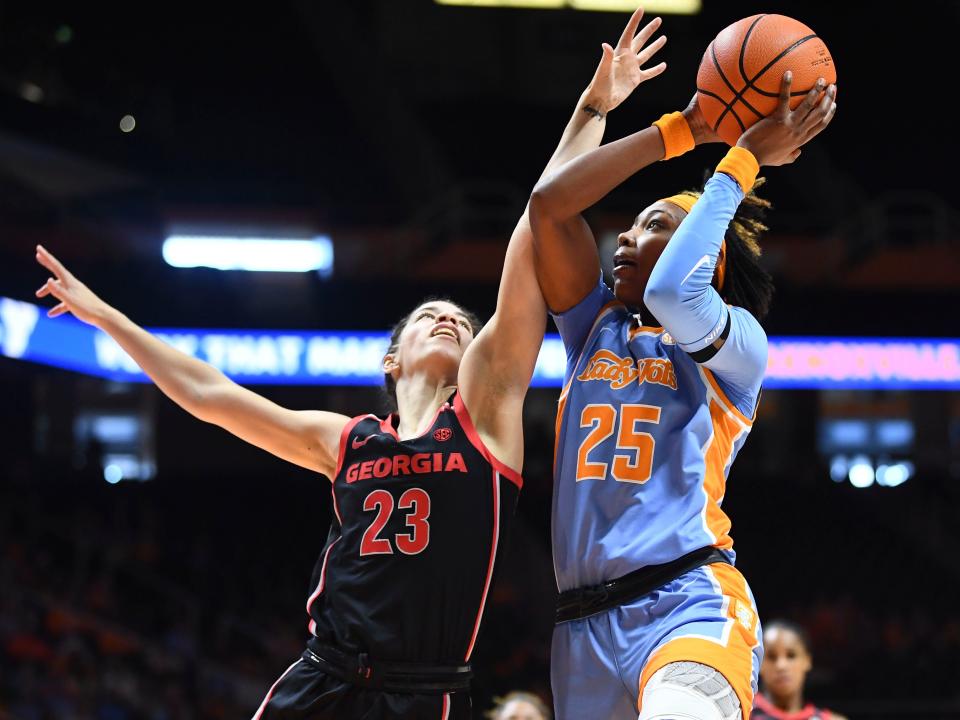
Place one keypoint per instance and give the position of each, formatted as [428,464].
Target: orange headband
[683,201]
[686,203]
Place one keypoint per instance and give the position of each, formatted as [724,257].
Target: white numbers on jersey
[633,461]
[410,543]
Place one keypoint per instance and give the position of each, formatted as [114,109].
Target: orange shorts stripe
[734,658]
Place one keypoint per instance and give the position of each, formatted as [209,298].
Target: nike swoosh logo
[701,261]
[357,444]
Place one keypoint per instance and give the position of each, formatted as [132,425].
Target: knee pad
[689,691]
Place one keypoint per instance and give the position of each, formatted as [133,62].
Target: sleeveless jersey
[417,529]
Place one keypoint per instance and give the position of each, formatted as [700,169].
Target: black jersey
[418,526]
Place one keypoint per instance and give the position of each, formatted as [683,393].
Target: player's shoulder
[367,425]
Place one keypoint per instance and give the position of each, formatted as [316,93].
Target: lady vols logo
[621,372]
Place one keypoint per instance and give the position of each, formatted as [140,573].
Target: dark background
[412,134]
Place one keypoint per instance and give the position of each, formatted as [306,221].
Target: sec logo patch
[442,434]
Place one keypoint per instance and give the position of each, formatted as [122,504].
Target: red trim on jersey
[387,426]
[493,556]
[336,508]
[387,423]
[344,434]
[445,709]
[263,705]
[474,437]
[322,581]
[761,703]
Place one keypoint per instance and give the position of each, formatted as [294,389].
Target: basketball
[739,78]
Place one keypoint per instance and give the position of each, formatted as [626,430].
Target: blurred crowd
[130,605]
[170,601]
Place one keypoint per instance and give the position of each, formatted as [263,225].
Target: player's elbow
[538,208]
[207,401]
[661,296]
[545,203]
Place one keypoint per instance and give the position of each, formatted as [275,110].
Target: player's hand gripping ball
[739,77]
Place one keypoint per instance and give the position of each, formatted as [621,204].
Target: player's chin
[447,352]
[628,290]
[783,685]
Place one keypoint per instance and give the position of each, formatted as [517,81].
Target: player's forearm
[182,378]
[680,282]
[679,293]
[584,131]
[684,271]
[582,182]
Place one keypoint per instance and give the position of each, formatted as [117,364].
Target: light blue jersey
[646,435]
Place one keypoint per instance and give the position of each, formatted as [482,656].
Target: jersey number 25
[633,461]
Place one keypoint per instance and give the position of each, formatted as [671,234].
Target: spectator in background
[786,662]
[518,705]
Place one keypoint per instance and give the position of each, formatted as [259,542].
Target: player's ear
[390,363]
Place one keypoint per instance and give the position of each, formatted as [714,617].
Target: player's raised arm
[306,438]
[566,255]
[497,367]
[681,291]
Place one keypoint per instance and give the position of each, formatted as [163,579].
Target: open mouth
[446,332]
[622,261]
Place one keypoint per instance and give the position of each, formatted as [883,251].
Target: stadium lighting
[861,472]
[662,7]
[113,473]
[126,466]
[838,468]
[250,253]
[894,474]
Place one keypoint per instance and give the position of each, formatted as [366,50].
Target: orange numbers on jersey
[633,459]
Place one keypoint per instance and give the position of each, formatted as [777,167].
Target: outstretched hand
[74,296]
[777,139]
[621,68]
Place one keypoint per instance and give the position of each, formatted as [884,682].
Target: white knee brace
[689,691]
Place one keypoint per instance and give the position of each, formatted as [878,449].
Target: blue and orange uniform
[649,421]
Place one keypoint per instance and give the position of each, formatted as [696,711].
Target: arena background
[411,133]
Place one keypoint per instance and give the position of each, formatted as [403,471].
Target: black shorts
[305,692]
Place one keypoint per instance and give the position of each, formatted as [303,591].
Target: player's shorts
[600,664]
[307,691]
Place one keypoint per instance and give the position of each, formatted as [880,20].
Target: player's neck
[418,398]
[788,704]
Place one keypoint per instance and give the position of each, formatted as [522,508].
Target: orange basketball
[739,78]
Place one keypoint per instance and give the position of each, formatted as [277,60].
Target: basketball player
[662,384]
[786,662]
[422,499]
